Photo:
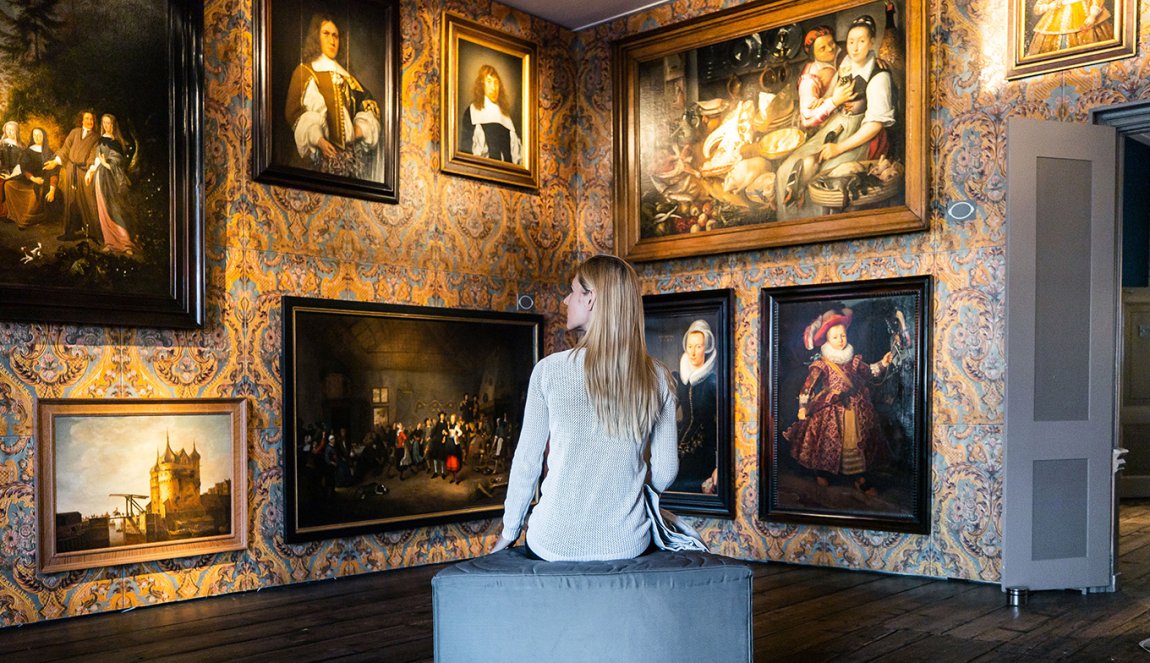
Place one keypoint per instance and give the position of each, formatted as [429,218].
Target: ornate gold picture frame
[490,104]
[1052,35]
[128,481]
[731,132]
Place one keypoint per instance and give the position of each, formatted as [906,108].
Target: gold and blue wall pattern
[456,242]
[969,101]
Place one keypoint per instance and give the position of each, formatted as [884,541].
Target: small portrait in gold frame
[490,104]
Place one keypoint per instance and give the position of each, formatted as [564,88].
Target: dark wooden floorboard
[801,615]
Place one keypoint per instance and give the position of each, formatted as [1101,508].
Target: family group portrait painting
[131,481]
[690,334]
[1050,35]
[489,104]
[846,433]
[99,164]
[399,416]
[327,96]
[761,127]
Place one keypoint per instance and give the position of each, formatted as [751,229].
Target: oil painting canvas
[100,218]
[763,126]
[127,482]
[845,422]
[399,416]
[690,334]
[1051,35]
[326,96]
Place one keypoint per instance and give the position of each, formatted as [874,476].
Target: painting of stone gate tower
[177,508]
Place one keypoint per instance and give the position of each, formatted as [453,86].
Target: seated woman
[31,193]
[602,408]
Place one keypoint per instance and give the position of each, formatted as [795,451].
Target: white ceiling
[579,14]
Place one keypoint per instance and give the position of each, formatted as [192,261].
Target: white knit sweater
[591,500]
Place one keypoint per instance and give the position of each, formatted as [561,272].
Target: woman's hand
[829,151]
[844,91]
[802,414]
[500,545]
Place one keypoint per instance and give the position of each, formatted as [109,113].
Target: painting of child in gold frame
[1052,35]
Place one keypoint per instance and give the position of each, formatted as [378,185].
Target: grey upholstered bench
[662,607]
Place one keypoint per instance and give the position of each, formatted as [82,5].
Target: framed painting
[440,451]
[691,334]
[845,417]
[326,96]
[101,211]
[771,124]
[1052,35]
[490,107]
[127,481]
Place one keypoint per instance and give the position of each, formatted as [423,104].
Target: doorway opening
[1132,121]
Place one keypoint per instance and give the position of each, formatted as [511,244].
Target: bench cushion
[682,606]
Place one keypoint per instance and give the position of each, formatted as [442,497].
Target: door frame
[1130,120]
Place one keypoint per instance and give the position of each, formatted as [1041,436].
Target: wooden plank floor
[801,614]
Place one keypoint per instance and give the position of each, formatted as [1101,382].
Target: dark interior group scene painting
[400,415]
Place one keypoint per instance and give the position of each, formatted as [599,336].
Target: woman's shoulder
[555,360]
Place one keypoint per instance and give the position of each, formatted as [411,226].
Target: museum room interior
[321,300]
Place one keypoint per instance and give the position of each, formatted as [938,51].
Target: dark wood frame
[48,410]
[332,311]
[1020,65]
[744,21]
[267,112]
[716,305]
[452,159]
[786,311]
[182,305]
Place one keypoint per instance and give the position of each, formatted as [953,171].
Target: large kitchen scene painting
[770,124]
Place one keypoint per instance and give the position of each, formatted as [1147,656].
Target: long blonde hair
[622,379]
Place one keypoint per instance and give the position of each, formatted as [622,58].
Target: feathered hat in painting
[815,333]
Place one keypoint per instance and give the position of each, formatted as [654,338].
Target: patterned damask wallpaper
[457,242]
[969,101]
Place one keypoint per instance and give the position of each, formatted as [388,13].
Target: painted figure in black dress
[698,393]
[31,194]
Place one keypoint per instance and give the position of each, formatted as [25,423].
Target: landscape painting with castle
[142,490]
[141,481]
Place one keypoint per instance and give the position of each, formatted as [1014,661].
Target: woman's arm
[665,444]
[528,461]
[880,113]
